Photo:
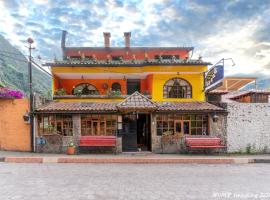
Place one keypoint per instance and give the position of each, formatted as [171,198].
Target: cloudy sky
[238,29]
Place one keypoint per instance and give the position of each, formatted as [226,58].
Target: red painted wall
[69,84]
[127,54]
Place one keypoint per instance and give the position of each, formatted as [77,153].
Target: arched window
[177,88]
[85,89]
[116,87]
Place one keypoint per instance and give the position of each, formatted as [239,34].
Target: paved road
[114,181]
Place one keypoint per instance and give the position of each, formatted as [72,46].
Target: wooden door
[129,133]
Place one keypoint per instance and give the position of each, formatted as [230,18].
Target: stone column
[156,140]
[76,119]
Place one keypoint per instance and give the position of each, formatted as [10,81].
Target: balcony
[55,97]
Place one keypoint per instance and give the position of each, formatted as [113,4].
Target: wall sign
[213,77]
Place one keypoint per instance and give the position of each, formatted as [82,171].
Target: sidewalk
[133,158]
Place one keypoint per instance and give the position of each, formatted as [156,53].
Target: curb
[261,160]
[133,160]
[145,161]
[23,159]
[136,160]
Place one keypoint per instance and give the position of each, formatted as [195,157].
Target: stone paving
[133,181]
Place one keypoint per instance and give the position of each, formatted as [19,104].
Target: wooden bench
[203,143]
[97,141]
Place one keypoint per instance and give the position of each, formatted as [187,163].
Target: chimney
[63,40]
[107,36]
[127,39]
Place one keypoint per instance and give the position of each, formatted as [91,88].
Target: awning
[137,102]
[234,83]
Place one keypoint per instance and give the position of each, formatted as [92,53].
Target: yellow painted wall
[196,80]
[128,69]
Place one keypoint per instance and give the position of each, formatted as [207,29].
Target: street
[133,181]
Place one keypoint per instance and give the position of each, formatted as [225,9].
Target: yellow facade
[196,81]
[193,74]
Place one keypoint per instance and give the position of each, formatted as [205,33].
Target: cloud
[218,29]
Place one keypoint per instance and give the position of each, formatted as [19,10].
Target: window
[55,124]
[116,87]
[169,124]
[98,124]
[85,89]
[177,88]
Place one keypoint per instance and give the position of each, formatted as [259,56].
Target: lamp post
[31,106]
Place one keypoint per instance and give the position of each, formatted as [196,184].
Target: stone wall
[174,144]
[248,127]
[55,143]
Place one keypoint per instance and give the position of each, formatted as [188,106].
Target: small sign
[41,141]
[214,77]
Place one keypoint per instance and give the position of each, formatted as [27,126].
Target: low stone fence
[248,127]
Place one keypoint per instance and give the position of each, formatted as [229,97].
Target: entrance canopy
[137,102]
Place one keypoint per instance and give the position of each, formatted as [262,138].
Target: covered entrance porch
[136,122]
[136,132]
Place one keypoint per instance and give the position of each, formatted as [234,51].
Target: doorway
[133,85]
[136,134]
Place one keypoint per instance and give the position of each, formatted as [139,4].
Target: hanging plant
[10,94]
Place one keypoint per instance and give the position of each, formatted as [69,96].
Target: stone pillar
[118,145]
[156,140]
[218,128]
[76,119]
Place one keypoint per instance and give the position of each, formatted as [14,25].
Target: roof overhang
[234,83]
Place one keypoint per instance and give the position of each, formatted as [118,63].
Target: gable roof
[137,102]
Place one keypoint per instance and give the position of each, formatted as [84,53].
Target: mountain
[14,71]
[261,84]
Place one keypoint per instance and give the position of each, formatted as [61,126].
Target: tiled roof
[218,92]
[137,101]
[133,104]
[187,106]
[244,93]
[59,107]
[90,62]
[227,98]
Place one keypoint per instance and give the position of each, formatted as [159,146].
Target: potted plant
[71,148]
[60,92]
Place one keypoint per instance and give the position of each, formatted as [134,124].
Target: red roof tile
[78,107]
[137,101]
[98,107]
[187,106]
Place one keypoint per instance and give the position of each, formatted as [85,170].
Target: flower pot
[71,150]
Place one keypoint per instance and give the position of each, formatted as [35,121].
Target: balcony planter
[60,92]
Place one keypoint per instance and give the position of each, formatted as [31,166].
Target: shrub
[10,94]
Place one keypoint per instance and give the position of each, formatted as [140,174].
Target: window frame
[52,121]
[182,91]
[96,91]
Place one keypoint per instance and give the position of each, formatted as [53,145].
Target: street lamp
[31,106]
